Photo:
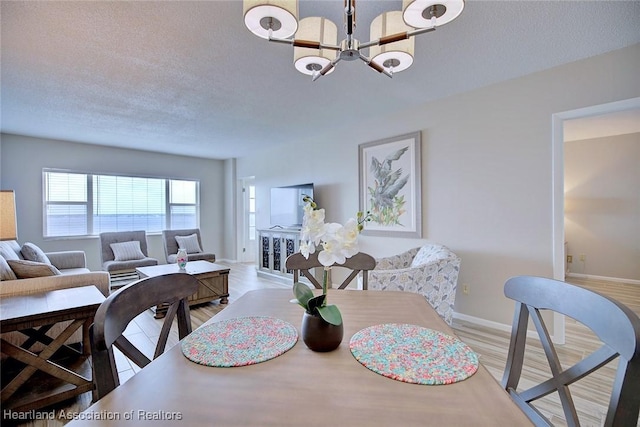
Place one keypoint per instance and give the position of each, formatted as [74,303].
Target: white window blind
[83,204]
[66,207]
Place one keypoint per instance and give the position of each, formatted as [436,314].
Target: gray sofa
[71,265]
[171,246]
[73,273]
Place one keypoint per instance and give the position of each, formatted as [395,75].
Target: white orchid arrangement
[338,242]
[334,243]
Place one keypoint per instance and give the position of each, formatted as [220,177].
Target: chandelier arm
[386,40]
[310,44]
[277,40]
[396,37]
[326,69]
[379,68]
[329,46]
[420,31]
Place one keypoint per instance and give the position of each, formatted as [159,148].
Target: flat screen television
[287,204]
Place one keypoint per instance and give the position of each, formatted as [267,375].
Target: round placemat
[413,354]
[239,342]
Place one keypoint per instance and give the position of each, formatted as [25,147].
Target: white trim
[608,279]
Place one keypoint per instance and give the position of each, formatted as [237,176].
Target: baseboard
[482,322]
[491,324]
[608,279]
[275,277]
[230,261]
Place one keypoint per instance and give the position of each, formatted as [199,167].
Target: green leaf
[295,301]
[331,314]
[315,303]
[302,293]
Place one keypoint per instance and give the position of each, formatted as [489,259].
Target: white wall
[486,171]
[23,159]
[602,206]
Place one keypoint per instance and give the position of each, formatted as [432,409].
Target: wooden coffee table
[64,371]
[213,278]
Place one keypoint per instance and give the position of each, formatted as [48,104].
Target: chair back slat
[617,326]
[360,262]
[121,307]
[131,352]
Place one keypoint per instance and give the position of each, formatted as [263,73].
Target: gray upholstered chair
[171,245]
[616,326]
[119,259]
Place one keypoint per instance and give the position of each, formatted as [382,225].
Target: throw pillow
[189,243]
[423,256]
[127,251]
[7,252]
[25,269]
[31,252]
[6,273]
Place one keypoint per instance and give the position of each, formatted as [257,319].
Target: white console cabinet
[274,246]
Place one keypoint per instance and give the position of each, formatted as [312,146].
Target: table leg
[40,362]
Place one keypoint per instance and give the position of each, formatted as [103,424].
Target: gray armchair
[120,260]
[171,246]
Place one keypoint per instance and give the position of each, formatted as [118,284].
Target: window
[79,204]
[252,212]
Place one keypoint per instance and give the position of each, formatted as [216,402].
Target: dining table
[366,381]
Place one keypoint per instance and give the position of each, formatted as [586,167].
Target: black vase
[319,335]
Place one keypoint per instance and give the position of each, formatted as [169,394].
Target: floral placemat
[240,341]
[413,354]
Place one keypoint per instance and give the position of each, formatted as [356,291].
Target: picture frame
[390,180]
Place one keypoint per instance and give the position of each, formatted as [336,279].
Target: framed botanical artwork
[390,178]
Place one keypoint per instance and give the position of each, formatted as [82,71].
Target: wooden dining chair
[360,262]
[612,322]
[117,311]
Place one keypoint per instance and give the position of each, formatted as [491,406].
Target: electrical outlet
[583,257]
[569,259]
[465,289]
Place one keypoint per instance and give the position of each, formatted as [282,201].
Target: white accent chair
[431,270]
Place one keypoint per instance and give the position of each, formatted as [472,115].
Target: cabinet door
[278,263]
[290,247]
[265,251]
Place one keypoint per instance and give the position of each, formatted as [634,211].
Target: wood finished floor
[590,394]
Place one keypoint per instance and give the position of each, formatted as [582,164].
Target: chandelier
[315,39]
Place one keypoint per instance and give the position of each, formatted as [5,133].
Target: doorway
[558,122]
[249,245]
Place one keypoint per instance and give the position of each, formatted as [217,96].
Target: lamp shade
[396,56]
[279,15]
[8,225]
[315,29]
[418,13]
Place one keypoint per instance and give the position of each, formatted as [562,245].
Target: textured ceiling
[182,76]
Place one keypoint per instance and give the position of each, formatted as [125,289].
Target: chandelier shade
[315,29]
[8,223]
[279,16]
[396,56]
[419,13]
[316,50]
